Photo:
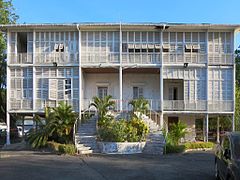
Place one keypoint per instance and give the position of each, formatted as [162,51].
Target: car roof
[233,135]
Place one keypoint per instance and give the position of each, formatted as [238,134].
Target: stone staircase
[155,142]
[85,138]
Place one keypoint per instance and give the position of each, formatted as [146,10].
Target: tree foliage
[7,16]
[237,107]
[237,61]
[237,91]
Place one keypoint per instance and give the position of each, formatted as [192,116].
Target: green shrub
[61,148]
[114,131]
[137,130]
[122,130]
[105,121]
[197,145]
[67,149]
[169,148]
[177,132]
[53,146]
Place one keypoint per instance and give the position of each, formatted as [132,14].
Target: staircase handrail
[77,123]
[155,116]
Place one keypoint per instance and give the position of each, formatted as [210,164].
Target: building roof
[146,25]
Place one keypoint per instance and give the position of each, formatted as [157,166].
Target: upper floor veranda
[115,44]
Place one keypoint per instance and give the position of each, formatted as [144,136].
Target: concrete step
[86,137]
[85,151]
[83,148]
[155,141]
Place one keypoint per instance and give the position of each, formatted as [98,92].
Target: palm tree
[63,121]
[102,105]
[39,137]
[140,105]
[58,126]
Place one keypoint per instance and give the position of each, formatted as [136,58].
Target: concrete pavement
[24,165]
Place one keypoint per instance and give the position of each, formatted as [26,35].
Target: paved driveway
[34,165]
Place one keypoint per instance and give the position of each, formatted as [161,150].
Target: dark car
[227,160]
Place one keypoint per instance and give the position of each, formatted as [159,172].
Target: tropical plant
[102,105]
[62,121]
[177,132]
[140,105]
[39,138]
[58,126]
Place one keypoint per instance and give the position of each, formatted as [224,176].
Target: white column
[233,123]
[80,72]
[218,133]
[204,130]
[161,84]
[120,71]
[8,90]
[8,129]
[161,96]
[120,88]
[23,128]
[207,128]
[234,81]
[34,121]
[34,71]
[207,69]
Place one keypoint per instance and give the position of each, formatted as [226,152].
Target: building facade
[185,71]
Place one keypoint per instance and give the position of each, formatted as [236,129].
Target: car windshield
[236,146]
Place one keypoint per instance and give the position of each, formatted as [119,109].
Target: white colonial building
[186,71]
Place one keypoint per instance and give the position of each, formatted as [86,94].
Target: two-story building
[186,71]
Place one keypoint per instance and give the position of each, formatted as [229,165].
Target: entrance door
[102,92]
[171,121]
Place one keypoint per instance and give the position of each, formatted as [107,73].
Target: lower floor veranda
[171,98]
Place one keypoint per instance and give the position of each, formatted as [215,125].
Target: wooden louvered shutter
[52,90]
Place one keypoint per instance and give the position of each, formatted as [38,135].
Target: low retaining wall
[121,147]
[199,149]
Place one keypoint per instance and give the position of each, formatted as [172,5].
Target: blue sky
[189,11]
[180,11]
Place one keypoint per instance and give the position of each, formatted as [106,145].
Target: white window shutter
[140,92]
[52,90]
[170,95]
[60,89]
